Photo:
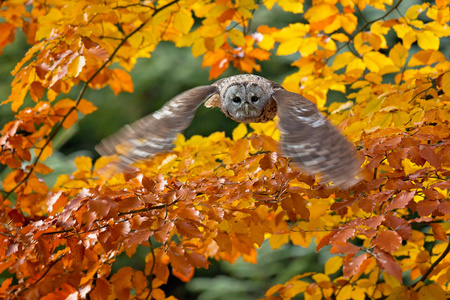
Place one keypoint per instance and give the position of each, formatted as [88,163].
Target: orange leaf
[42,169]
[36,91]
[70,119]
[239,150]
[224,242]
[102,289]
[388,241]
[86,107]
[300,206]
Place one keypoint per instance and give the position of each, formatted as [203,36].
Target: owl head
[245,101]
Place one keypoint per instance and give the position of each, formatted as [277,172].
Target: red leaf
[268,161]
[401,200]
[352,267]
[426,207]
[162,232]
[325,240]
[190,213]
[438,232]
[388,263]
[139,236]
[344,248]
[130,203]
[429,155]
[76,248]
[300,207]
[444,207]
[188,229]
[388,241]
[370,202]
[374,221]
[401,226]
[181,267]
[343,235]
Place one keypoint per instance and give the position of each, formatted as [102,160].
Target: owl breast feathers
[307,137]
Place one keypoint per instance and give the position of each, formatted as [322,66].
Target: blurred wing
[156,133]
[312,142]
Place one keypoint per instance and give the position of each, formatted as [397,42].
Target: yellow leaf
[376,61]
[278,240]
[391,280]
[398,55]
[289,47]
[294,6]
[267,42]
[426,57]
[333,265]
[269,4]
[340,37]
[236,37]
[320,12]
[75,66]
[409,38]
[86,107]
[239,132]
[342,60]
[198,48]
[70,119]
[427,40]
[410,167]
[48,150]
[446,83]
[183,21]
[414,11]
[432,291]
[83,163]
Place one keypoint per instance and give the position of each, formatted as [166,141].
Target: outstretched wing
[156,133]
[313,143]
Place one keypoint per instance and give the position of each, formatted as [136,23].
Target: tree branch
[58,127]
[433,265]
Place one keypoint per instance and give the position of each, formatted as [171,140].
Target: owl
[307,137]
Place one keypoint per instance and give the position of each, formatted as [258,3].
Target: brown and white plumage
[307,137]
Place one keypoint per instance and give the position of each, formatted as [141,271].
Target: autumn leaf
[388,241]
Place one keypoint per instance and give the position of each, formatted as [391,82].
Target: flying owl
[307,137]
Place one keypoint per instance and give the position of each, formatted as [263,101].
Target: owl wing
[312,142]
[156,133]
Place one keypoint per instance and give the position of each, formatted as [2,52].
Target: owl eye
[254,99]
[236,100]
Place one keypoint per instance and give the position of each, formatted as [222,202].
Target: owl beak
[246,107]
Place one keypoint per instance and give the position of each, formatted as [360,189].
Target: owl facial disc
[245,101]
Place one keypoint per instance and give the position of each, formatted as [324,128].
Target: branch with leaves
[219,198]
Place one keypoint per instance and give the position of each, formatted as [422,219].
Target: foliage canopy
[220,198]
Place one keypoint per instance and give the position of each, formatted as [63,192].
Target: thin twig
[367,25]
[433,265]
